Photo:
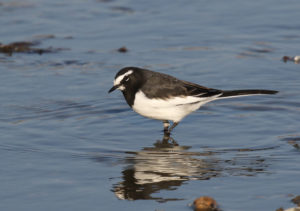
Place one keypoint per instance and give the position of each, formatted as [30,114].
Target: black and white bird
[163,97]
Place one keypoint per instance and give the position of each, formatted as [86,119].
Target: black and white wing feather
[165,86]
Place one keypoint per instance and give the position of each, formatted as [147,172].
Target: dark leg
[166,126]
[173,126]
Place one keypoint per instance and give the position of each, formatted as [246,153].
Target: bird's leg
[173,141]
[166,126]
[173,126]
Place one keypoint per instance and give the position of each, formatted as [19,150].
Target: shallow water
[67,145]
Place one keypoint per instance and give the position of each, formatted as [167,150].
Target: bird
[163,97]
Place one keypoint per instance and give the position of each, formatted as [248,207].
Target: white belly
[174,109]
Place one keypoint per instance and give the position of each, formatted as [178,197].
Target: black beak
[113,88]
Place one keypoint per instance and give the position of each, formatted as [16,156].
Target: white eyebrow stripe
[120,78]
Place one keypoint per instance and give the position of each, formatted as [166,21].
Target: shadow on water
[168,165]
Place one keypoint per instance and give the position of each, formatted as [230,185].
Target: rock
[205,203]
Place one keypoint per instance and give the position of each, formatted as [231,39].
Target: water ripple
[59,110]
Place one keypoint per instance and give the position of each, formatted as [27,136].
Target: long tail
[237,93]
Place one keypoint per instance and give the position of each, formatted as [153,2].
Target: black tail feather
[236,93]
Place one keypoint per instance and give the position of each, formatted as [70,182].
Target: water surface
[67,145]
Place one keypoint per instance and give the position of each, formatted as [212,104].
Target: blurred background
[66,144]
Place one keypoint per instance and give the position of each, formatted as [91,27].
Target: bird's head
[127,78]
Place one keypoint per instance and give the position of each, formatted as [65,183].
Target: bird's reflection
[165,166]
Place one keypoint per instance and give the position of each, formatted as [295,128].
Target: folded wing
[165,86]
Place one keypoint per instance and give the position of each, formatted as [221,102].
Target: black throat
[133,87]
[129,95]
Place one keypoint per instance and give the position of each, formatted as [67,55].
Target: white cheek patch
[121,88]
[118,80]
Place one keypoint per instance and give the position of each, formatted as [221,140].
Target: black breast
[129,96]
[136,81]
